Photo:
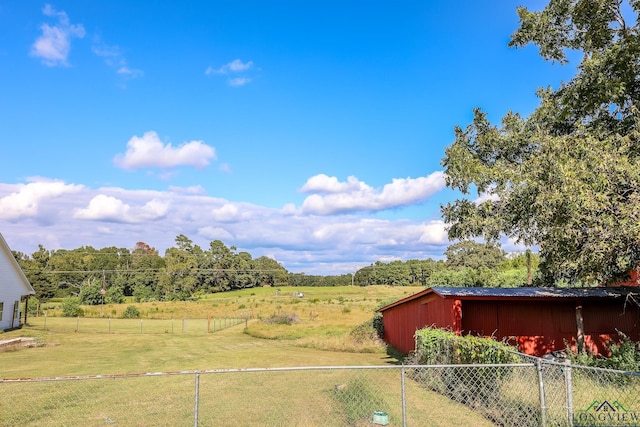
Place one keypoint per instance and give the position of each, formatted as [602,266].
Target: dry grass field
[320,337]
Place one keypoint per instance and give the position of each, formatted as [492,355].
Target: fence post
[568,381]
[140,325]
[404,399]
[196,400]
[543,402]
[45,320]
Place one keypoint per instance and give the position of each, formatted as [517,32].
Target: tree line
[186,270]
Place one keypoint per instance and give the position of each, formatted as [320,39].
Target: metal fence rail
[534,393]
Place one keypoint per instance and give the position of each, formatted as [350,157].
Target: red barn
[538,320]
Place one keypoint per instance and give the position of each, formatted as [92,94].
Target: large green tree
[566,178]
[474,255]
[178,278]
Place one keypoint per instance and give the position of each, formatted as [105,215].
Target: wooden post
[457,317]
[26,309]
[580,327]
[529,275]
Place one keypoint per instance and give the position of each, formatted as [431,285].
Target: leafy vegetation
[366,331]
[282,319]
[440,347]
[474,255]
[131,312]
[186,272]
[625,356]
[567,177]
[471,385]
[71,307]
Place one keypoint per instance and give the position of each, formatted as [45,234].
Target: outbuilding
[14,287]
[537,320]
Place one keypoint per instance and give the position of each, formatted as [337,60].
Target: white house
[14,285]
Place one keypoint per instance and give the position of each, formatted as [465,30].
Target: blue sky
[310,132]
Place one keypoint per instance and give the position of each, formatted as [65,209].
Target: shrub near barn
[480,388]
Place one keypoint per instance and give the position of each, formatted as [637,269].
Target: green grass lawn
[320,338]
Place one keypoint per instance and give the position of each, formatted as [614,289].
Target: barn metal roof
[519,294]
[597,292]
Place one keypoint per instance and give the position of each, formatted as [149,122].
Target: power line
[155,270]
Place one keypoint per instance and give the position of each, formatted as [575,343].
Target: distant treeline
[186,271]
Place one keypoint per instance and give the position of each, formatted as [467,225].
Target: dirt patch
[17,343]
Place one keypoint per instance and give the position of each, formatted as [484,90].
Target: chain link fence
[536,392]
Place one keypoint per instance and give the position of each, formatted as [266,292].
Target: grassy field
[320,336]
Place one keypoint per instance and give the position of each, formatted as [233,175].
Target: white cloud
[233,69]
[194,189]
[354,195]
[235,66]
[105,208]
[61,215]
[115,59]
[149,152]
[101,49]
[238,81]
[111,209]
[215,233]
[434,232]
[25,200]
[54,44]
[152,210]
[129,72]
[329,184]
[228,212]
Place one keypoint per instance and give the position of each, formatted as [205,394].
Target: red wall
[536,327]
[402,321]
[539,327]
[601,320]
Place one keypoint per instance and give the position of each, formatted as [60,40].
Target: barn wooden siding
[536,327]
[602,320]
[538,321]
[409,315]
